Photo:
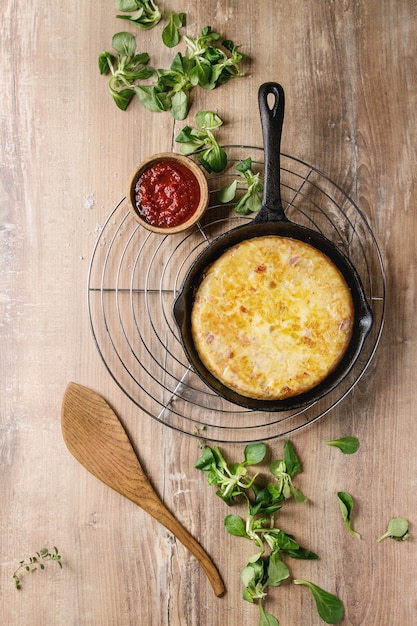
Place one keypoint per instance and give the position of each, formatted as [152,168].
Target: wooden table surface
[349,73]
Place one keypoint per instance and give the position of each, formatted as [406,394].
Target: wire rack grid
[134,276]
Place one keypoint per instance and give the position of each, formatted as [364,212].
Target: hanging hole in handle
[271,101]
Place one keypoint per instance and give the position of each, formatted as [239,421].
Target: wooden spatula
[95,436]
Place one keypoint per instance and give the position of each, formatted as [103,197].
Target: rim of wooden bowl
[189,164]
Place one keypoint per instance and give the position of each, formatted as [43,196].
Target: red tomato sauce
[167,194]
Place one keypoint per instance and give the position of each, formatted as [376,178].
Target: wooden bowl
[198,178]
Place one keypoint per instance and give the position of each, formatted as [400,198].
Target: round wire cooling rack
[134,276]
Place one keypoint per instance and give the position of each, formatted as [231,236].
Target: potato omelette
[272,317]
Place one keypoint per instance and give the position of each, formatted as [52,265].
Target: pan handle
[272,117]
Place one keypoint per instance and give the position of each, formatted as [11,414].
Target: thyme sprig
[33,562]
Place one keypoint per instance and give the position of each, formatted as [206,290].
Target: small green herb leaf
[329,607]
[210,154]
[149,97]
[291,459]
[250,202]
[265,618]
[252,573]
[277,570]
[213,159]
[147,13]
[301,553]
[226,194]
[206,459]
[284,487]
[126,5]
[124,44]
[348,445]
[207,120]
[170,34]
[106,62]
[235,525]
[252,578]
[122,98]
[254,453]
[397,529]
[346,507]
[298,495]
[179,105]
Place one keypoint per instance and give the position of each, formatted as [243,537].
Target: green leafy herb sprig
[206,63]
[209,63]
[146,14]
[251,200]
[33,562]
[202,140]
[266,567]
[203,64]
[126,68]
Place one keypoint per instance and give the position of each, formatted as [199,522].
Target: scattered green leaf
[33,562]
[291,459]
[201,140]
[126,68]
[150,98]
[287,545]
[235,525]
[266,567]
[329,607]
[251,200]
[284,470]
[348,445]
[206,63]
[171,32]
[277,571]
[252,578]
[397,529]
[254,453]
[210,64]
[146,13]
[265,618]
[346,507]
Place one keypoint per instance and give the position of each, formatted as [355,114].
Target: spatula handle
[135,486]
[155,507]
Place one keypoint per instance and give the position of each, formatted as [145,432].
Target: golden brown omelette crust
[272,317]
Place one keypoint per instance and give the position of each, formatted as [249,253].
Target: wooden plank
[349,72]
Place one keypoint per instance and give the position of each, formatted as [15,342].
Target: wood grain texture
[349,72]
